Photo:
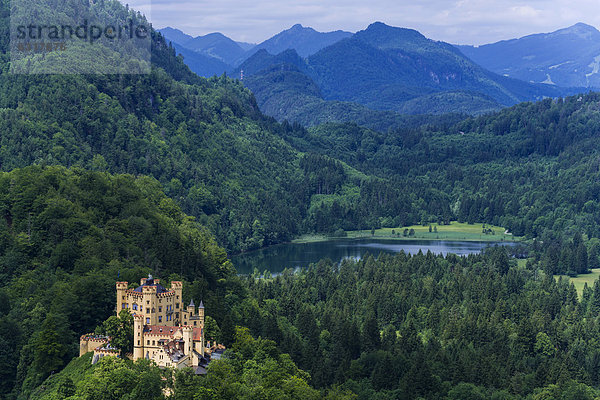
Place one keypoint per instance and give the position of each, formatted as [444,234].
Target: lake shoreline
[324,238]
[292,255]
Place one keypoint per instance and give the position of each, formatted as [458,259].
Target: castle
[163,330]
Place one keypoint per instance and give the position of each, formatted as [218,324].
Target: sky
[460,22]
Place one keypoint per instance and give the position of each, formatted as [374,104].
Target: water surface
[299,255]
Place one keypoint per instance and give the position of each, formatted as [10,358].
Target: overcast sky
[461,22]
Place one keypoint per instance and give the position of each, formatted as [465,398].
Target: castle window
[159,318]
[148,342]
[194,323]
[123,305]
[147,301]
[147,321]
[159,309]
[177,304]
[138,342]
[147,311]
[134,306]
[153,343]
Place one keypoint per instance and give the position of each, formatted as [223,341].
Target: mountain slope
[284,92]
[382,66]
[217,45]
[175,35]
[385,69]
[199,63]
[567,57]
[214,46]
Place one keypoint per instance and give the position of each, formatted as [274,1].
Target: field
[454,231]
[581,280]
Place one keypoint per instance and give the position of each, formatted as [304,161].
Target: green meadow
[581,280]
[454,231]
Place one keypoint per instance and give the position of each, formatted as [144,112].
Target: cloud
[455,21]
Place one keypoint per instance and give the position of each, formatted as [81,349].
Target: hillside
[285,93]
[66,236]
[567,57]
[199,63]
[383,66]
[531,168]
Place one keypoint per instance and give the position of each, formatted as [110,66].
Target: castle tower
[177,287]
[121,295]
[187,338]
[138,337]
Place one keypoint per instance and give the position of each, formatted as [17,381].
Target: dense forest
[532,168]
[477,327]
[423,326]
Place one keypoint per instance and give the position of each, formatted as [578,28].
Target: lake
[300,255]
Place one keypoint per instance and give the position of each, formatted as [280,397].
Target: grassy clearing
[454,231]
[581,280]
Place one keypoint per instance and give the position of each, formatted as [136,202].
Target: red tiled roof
[197,335]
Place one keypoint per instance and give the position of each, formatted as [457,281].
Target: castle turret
[201,313]
[191,308]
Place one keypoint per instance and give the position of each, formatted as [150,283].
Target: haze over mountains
[567,57]
[311,77]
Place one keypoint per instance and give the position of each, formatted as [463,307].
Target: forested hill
[204,140]
[532,168]
[66,236]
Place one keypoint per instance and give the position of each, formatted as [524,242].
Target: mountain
[306,41]
[284,92]
[567,57]
[175,35]
[384,69]
[213,45]
[199,63]
[217,45]
[383,66]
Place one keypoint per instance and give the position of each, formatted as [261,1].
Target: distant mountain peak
[385,36]
[305,40]
[581,25]
[580,29]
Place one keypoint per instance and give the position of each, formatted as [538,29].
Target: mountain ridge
[382,68]
[565,57]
